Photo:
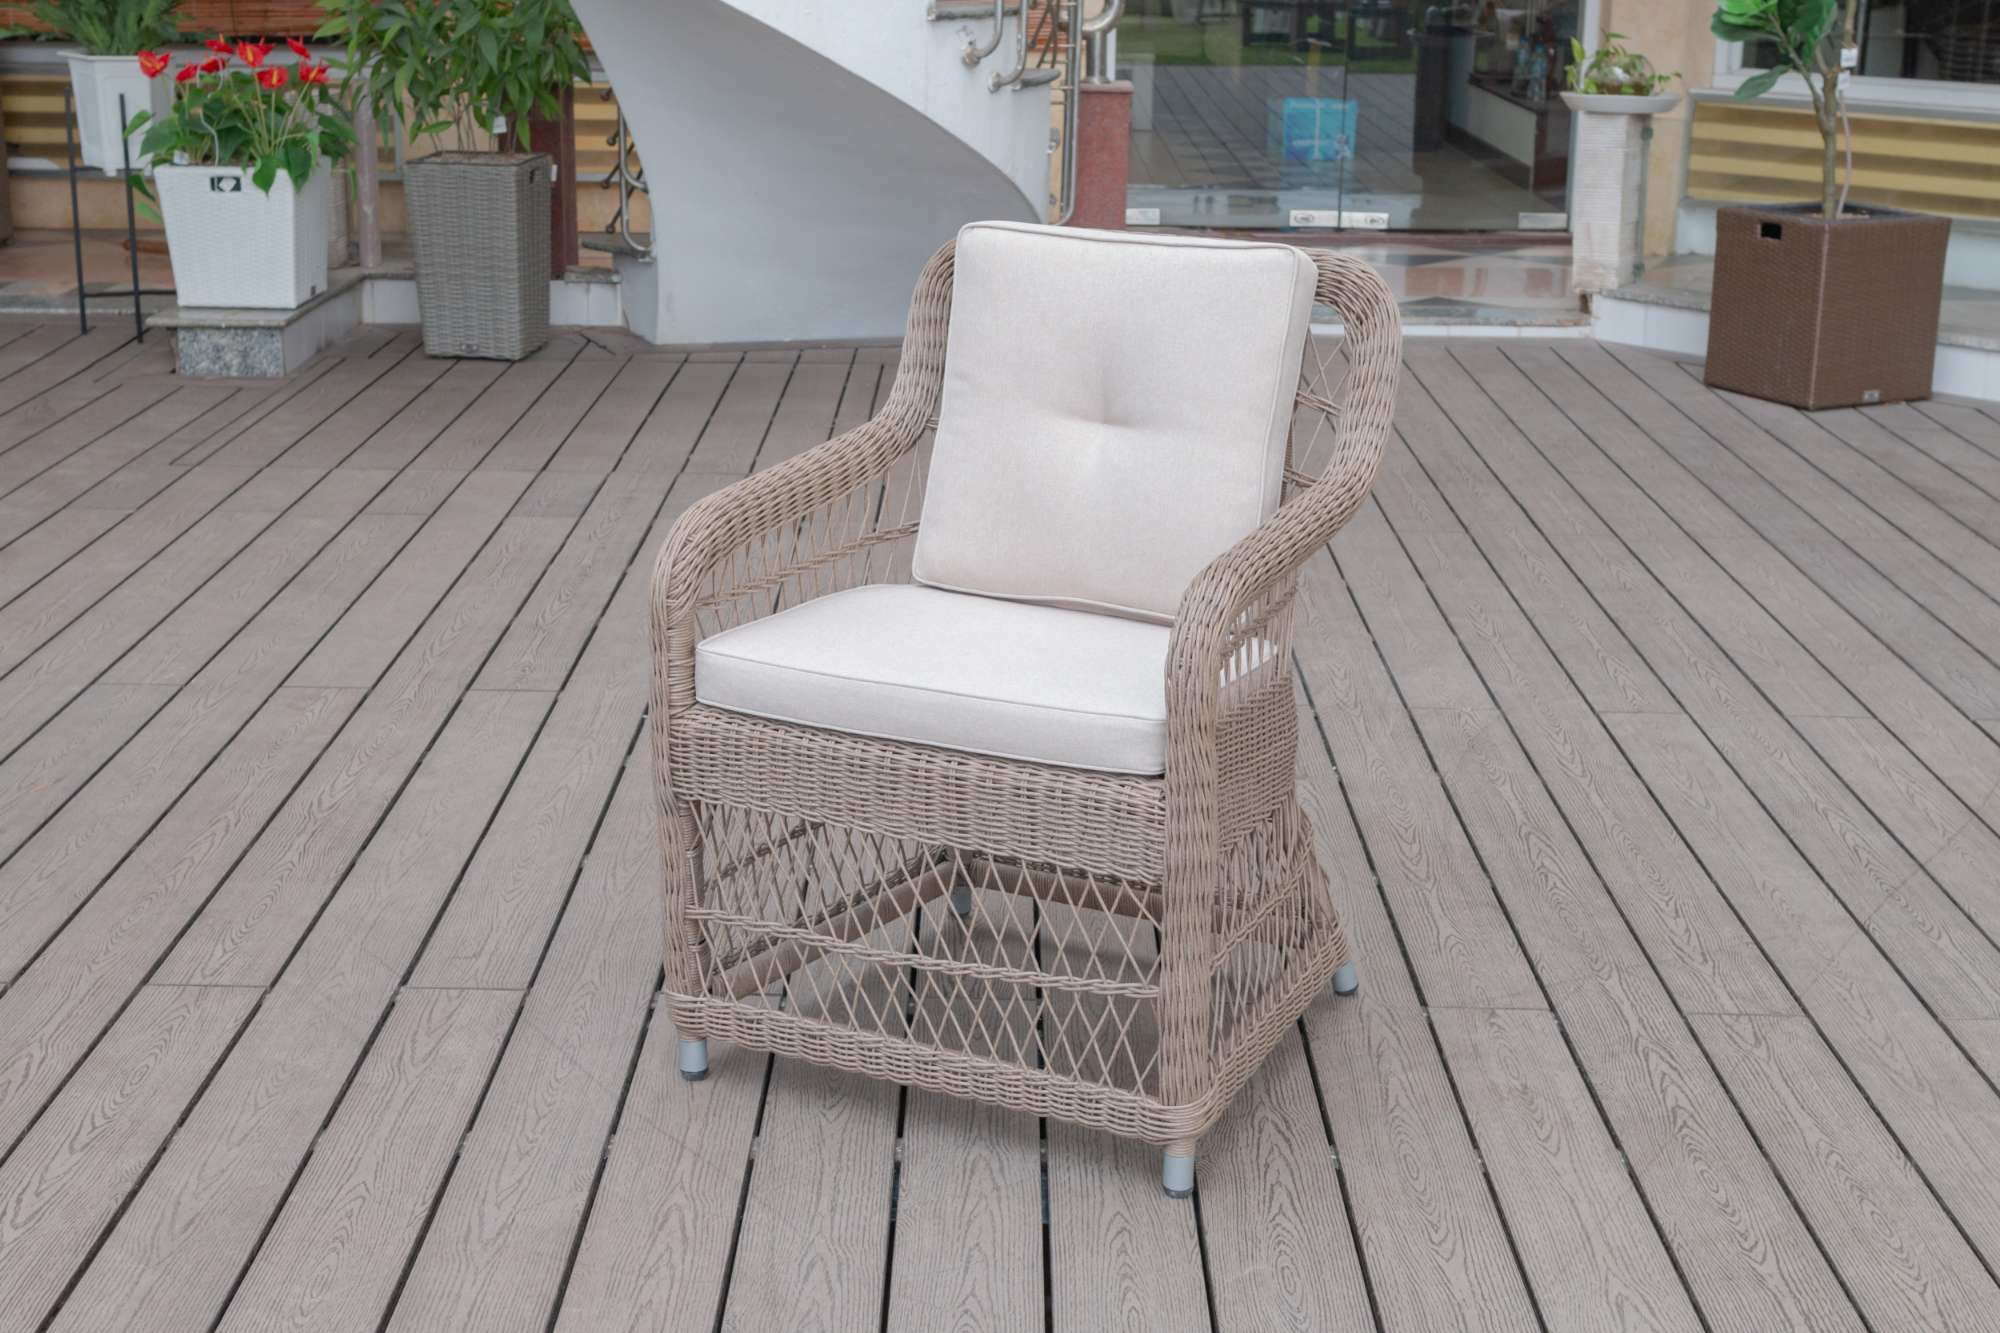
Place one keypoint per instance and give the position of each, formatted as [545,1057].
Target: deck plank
[602,436]
[1121,1253]
[497,1251]
[43,611]
[813,1241]
[1904,1260]
[541,430]
[667,436]
[53,1012]
[66,859]
[1692,701]
[968,1252]
[250,927]
[1844,841]
[1281,1248]
[177,1251]
[655,1254]
[502,918]
[1591,1250]
[68,1178]
[1449,923]
[737,427]
[337,1249]
[1945,1115]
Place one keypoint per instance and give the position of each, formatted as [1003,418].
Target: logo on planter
[225,185]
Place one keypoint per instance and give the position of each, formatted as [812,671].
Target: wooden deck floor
[1655,759]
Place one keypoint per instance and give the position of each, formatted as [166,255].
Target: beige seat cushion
[965,673]
[1114,414]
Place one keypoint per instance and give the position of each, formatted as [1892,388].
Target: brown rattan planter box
[479,223]
[1825,314]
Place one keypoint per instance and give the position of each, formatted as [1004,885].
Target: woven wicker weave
[479,223]
[1124,950]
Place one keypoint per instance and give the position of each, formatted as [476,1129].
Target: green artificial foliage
[1614,70]
[105,27]
[461,65]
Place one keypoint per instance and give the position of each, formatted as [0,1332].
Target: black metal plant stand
[131,219]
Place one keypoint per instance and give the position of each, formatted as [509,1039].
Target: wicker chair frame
[1118,951]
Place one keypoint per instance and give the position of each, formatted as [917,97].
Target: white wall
[795,197]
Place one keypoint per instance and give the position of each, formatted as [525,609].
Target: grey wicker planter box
[479,223]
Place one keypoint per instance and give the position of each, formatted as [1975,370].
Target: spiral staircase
[804,157]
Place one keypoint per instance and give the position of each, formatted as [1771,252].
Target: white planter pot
[1622,104]
[97,81]
[233,245]
[1607,212]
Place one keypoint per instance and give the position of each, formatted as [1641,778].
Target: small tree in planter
[479,219]
[109,35]
[1821,305]
[253,144]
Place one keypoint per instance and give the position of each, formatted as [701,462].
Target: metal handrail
[627,180]
[975,50]
[1007,78]
[1095,30]
[1072,110]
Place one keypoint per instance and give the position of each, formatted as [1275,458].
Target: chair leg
[1177,1170]
[1346,980]
[694,1058]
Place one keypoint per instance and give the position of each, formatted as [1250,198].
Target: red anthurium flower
[186,74]
[220,47]
[298,48]
[212,65]
[312,73]
[252,53]
[273,77]
[154,63]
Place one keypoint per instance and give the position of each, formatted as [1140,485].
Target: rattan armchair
[1050,916]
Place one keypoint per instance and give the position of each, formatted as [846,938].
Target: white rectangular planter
[233,245]
[97,82]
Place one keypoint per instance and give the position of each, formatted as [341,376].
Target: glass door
[1319,114]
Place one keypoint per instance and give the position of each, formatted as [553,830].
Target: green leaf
[265,174]
[1735,32]
[1757,84]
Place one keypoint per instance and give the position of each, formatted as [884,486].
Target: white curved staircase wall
[806,158]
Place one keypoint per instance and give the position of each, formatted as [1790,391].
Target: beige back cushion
[1114,413]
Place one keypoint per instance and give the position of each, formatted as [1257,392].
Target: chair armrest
[739,553]
[726,522]
[1220,609]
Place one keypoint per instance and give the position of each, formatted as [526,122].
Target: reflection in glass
[1250,113]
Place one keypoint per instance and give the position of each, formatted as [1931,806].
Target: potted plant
[1614,94]
[253,144]
[109,35]
[471,73]
[1820,305]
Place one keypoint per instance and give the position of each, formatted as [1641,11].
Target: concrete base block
[261,344]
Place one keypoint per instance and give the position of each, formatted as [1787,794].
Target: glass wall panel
[1321,113]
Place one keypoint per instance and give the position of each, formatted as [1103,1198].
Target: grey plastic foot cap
[1346,980]
[961,900]
[1177,1174]
[694,1059]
